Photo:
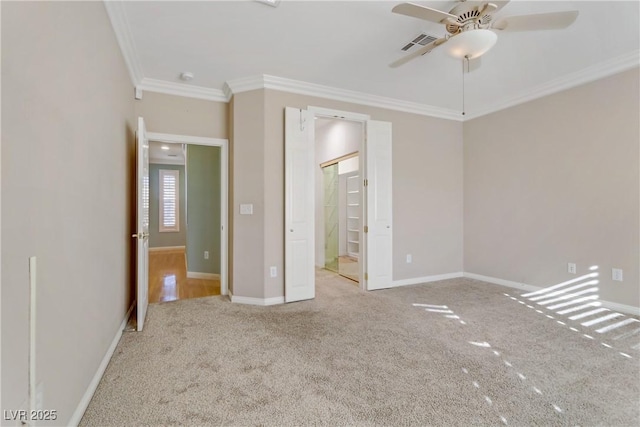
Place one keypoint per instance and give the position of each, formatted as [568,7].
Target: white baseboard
[198,275]
[167,248]
[507,283]
[623,308]
[256,301]
[93,385]
[426,279]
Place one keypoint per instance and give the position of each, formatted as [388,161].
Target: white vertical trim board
[623,308]
[93,385]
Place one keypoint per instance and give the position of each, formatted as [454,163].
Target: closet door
[379,236]
[299,274]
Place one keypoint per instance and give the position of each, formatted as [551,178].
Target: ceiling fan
[470,26]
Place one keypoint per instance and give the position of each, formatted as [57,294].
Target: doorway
[342,215]
[302,239]
[187,216]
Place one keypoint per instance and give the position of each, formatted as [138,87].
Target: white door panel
[299,276]
[379,238]
[142,224]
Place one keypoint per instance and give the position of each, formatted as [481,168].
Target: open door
[142,223]
[299,269]
[379,207]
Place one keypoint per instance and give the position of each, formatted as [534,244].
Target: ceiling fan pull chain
[465,62]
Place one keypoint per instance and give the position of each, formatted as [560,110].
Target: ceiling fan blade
[422,12]
[542,21]
[499,5]
[423,50]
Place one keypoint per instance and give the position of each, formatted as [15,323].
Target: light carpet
[358,358]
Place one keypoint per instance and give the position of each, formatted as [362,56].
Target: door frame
[331,113]
[224,191]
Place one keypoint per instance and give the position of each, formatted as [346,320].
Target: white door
[299,271]
[379,237]
[142,223]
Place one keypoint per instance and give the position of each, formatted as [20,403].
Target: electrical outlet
[409,259]
[273,271]
[616,274]
[206,254]
[571,268]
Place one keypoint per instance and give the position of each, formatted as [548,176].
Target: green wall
[167,238]
[203,208]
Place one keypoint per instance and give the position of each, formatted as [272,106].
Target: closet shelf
[352,200]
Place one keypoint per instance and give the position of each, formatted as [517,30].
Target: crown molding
[304,88]
[604,69]
[117,16]
[118,19]
[181,89]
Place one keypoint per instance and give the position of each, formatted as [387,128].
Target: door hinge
[366,182]
[366,276]
[366,229]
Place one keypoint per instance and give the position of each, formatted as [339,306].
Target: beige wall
[250,160]
[67,174]
[553,181]
[183,116]
[428,193]
[427,188]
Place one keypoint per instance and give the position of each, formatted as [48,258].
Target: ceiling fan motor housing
[468,19]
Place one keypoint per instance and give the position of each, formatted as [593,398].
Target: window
[169,197]
[145,201]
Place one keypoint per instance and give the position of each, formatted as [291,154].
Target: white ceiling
[173,156]
[349,44]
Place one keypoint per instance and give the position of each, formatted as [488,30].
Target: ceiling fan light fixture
[471,43]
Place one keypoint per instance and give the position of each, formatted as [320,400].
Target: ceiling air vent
[422,40]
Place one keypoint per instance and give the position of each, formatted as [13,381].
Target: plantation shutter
[169,220]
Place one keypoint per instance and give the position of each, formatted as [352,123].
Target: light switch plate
[246,209]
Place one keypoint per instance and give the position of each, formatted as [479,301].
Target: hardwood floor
[348,267]
[168,278]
